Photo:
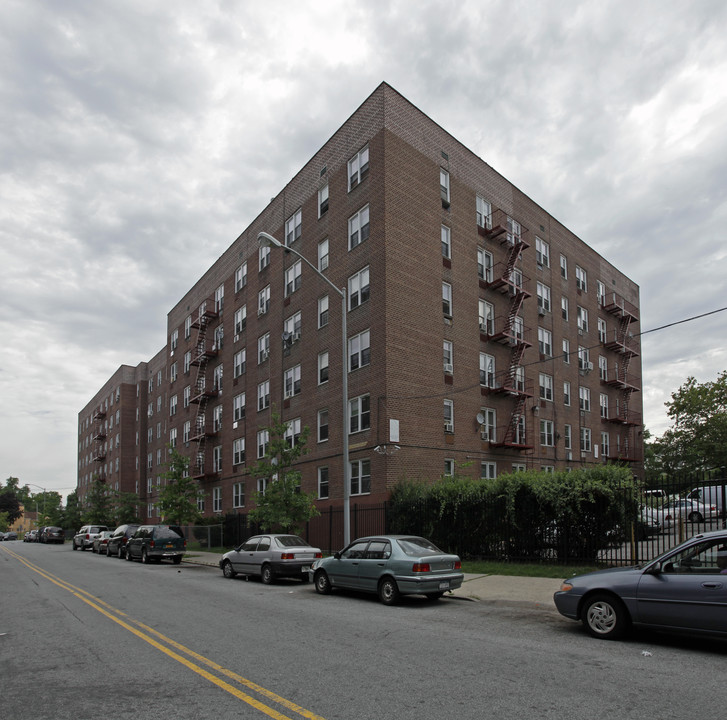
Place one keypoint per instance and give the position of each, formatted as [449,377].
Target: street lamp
[266,240]
[36,502]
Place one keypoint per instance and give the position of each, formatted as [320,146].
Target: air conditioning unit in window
[264,355]
[236,338]
[483,327]
[449,427]
[448,368]
[485,435]
[541,311]
[296,336]
[261,311]
[589,366]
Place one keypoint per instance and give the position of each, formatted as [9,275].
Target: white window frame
[447,299]
[581,279]
[323,258]
[263,395]
[446,240]
[323,370]
[543,292]
[359,414]
[359,288]
[447,356]
[322,201]
[293,227]
[240,319]
[358,226]
[359,351]
[358,168]
[239,361]
[323,482]
[545,342]
[542,252]
[488,429]
[323,421]
[484,213]
[238,407]
[263,348]
[263,300]
[487,370]
[238,451]
[323,304]
[448,411]
[360,471]
[241,277]
[566,393]
[291,381]
[444,183]
[547,433]
[584,398]
[217,499]
[545,382]
[238,495]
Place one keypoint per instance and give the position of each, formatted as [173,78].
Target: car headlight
[565,586]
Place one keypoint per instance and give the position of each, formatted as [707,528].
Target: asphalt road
[85,636]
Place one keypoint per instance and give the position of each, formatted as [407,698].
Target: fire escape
[507,278]
[622,342]
[99,440]
[202,391]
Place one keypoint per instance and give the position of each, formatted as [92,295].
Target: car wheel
[74,545]
[267,575]
[127,555]
[322,583]
[388,591]
[433,597]
[144,557]
[695,516]
[227,570]
[605,617]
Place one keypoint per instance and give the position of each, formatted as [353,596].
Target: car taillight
[457,565]
[185,543]
[88,537]
[151,544]
[421,567]
[318,555]
[287,556]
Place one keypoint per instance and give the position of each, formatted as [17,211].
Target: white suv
[85,536]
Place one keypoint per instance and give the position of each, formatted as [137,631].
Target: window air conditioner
[448,368]
[449,427]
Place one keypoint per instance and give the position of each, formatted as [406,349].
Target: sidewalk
[490,588]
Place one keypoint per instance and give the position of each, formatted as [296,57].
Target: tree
[72,513]
[126,508]
[9,504]
[282,504]
[178,501]
[98,509]
[697,440]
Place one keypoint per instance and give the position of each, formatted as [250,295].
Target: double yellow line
[170,648]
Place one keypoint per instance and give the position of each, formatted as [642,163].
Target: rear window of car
[417,547]
[291,541]
[97,528]
[168,533]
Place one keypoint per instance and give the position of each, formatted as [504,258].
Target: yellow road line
[108,611]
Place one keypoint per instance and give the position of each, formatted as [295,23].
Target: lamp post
[266,240]
[36,502]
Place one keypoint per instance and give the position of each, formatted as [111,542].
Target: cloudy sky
[138,138]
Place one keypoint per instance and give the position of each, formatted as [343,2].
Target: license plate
[168,547]
[444,585]
[305,568]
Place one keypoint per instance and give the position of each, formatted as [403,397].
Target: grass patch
[484,567]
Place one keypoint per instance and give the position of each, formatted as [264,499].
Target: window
[219,298]
[323,200]
[543,297]
[323,367]
[241,277]
[446,237]
[358,288]
[582,319]
[322,311]
[488,470]
[514,231]
[292,433]
[323,254]
[489,426]
[567,437]
[584,398]
[358,228]
[546,387]
[291,381]
[566,393]
[173,405]
[186,431]
[187,361]
[546,433]
[545,341]
[322,483]
[322,425]
[240,319]
[359,351]
[263,257]
[173,372]
[292,326]
[447,353]
[263,300]
[172,438]
[217,459]
[605,444]
[360,477]
[602,331]
[358,168]
[217,378]
[564,267]
[217,418]
[238,495]
[263,348]
[484,213]
[173,340]
[566,351]
[602,368]
[484,265]
[238,451]
[584,359]
[293,227]
[486,317]
[448,467]
[263,438]
[359,414]
[238,366]
[216,499]
[581,279]
[542,252]
[186,396]
[564,308]
[603,402]
[263,395]
[188,326]
[600,293]
[292,277]
[585,439]
[447,299]
[487,370]
[449,416]
[444,186]
[238,407]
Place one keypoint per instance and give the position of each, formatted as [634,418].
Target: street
[83,635]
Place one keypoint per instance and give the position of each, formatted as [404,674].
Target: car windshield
[291,541]
[168,533]
[417,547]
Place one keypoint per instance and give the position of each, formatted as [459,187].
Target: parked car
[52,534]
[684,589]
[156,542]
[673,512]
[710,495]
[270,556]
[12,535]
[101,541]
[29,536]
[119,538]
[391,566]
[86,535]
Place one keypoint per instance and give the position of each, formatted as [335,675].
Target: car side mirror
[337,555]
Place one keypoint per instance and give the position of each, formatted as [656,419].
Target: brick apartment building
[483,336]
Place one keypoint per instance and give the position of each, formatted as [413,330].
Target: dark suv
[117,542]
[156,542]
